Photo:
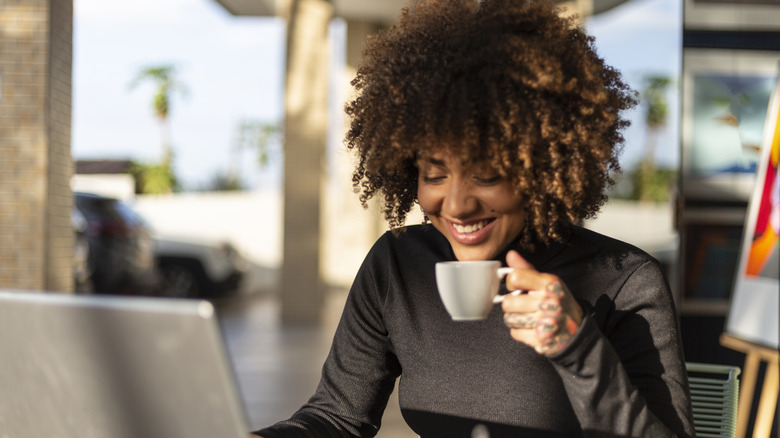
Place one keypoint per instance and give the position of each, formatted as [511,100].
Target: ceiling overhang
[251,8]
[377,11]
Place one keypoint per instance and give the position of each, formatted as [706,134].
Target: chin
[471,255]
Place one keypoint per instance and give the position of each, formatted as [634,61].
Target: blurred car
[121,247]
[198,268]
[82,265]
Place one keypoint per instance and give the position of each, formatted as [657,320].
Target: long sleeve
[359,374]
[628,377]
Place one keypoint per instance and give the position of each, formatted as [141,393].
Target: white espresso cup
[469,289]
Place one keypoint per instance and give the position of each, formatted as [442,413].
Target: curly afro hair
[509,83]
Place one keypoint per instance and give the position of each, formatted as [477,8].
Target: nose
[461,201]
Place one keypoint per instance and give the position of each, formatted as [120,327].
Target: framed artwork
[724,107]
[753,313]
[732,14]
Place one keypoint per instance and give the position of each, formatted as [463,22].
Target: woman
[500,120]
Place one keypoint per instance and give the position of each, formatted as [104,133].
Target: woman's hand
[547,317]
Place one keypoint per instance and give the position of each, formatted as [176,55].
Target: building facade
[36,236]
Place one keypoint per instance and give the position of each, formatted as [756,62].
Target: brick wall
[35,163]
[59,239]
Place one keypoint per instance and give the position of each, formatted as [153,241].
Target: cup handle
[503,272]
[500,298]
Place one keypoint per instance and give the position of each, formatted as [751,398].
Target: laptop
[92,366]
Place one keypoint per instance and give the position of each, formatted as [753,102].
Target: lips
[471,233]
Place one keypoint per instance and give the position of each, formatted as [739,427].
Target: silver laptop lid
[101,366]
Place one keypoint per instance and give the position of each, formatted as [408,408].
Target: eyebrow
[434,161]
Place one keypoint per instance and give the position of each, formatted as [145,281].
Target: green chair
[714,395]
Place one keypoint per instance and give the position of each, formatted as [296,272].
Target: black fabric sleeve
[359,374]
[628,379]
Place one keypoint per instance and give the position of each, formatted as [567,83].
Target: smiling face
[471,205]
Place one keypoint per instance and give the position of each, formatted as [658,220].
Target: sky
[232,69]
[640,38]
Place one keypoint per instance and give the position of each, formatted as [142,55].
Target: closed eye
[432,179]
[487,180]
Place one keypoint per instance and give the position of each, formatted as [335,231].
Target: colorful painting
[764,247]
[753,314]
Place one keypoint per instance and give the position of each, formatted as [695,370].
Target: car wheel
[180,281]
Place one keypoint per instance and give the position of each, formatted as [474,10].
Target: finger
[520,320]
[546,328]
[555,290]
[500,298]
[551,305]
[517,279]
[515,260]
[524,276]
[526,336]
[554,335]
[523,303]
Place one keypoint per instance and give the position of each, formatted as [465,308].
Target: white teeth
[470,228]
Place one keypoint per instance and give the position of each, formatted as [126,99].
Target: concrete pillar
[306,124]
[36,237]
[357,32]
[349,230]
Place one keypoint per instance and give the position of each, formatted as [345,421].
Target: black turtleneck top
[623,375]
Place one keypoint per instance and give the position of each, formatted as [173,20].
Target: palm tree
[656,109]
[159,178]
[166,83]
[650,184]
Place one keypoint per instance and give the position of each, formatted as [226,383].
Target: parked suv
[198,269]
[121,247]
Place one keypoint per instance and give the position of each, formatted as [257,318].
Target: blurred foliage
[224,182]
[653,99]
[154,178]
[258,136]
[158,178]
[653,184]
[648,182]
[166,83]
[656,184]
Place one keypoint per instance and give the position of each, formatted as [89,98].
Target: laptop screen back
[100,366]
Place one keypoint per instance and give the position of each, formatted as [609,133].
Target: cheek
[504,201]
[426,199]
[511,208]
